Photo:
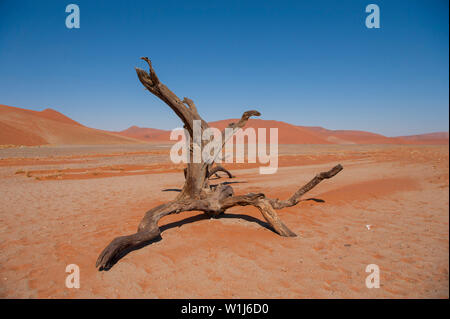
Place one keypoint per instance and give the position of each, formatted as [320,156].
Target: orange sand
[400,191]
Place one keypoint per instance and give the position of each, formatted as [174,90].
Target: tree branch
[148,230]
[267,206]
[235,126]
[152,83]
[217,169]
[278,204]
[244,118]
[259,201]
[191,105]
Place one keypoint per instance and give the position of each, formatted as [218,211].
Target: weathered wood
[197,194]
[278,204]
[217,169]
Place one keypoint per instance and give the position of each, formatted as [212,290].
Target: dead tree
[197,193]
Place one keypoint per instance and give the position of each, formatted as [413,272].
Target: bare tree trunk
[197,194]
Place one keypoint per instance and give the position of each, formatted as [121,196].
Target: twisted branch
[197,194]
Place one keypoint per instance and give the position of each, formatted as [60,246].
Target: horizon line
[227,119]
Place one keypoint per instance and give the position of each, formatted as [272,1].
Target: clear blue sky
[303,62]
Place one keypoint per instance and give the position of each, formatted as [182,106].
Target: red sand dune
[146,134]
[430,138]
[291,134]
[287,133]
[353,137]
[26,127]
[56,116]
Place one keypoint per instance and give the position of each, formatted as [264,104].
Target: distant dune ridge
[146,134]
[27,127]
[430,138]
[354,137]
[292,134]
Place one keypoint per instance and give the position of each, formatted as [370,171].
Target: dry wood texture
[197,193]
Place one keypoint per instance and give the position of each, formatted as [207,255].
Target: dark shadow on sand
[171,190]
[192,219]
[180,223]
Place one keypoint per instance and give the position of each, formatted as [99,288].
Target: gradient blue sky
[303,62]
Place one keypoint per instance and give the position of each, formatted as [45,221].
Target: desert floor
[389,207]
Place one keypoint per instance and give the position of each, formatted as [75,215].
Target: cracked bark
[197,193]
